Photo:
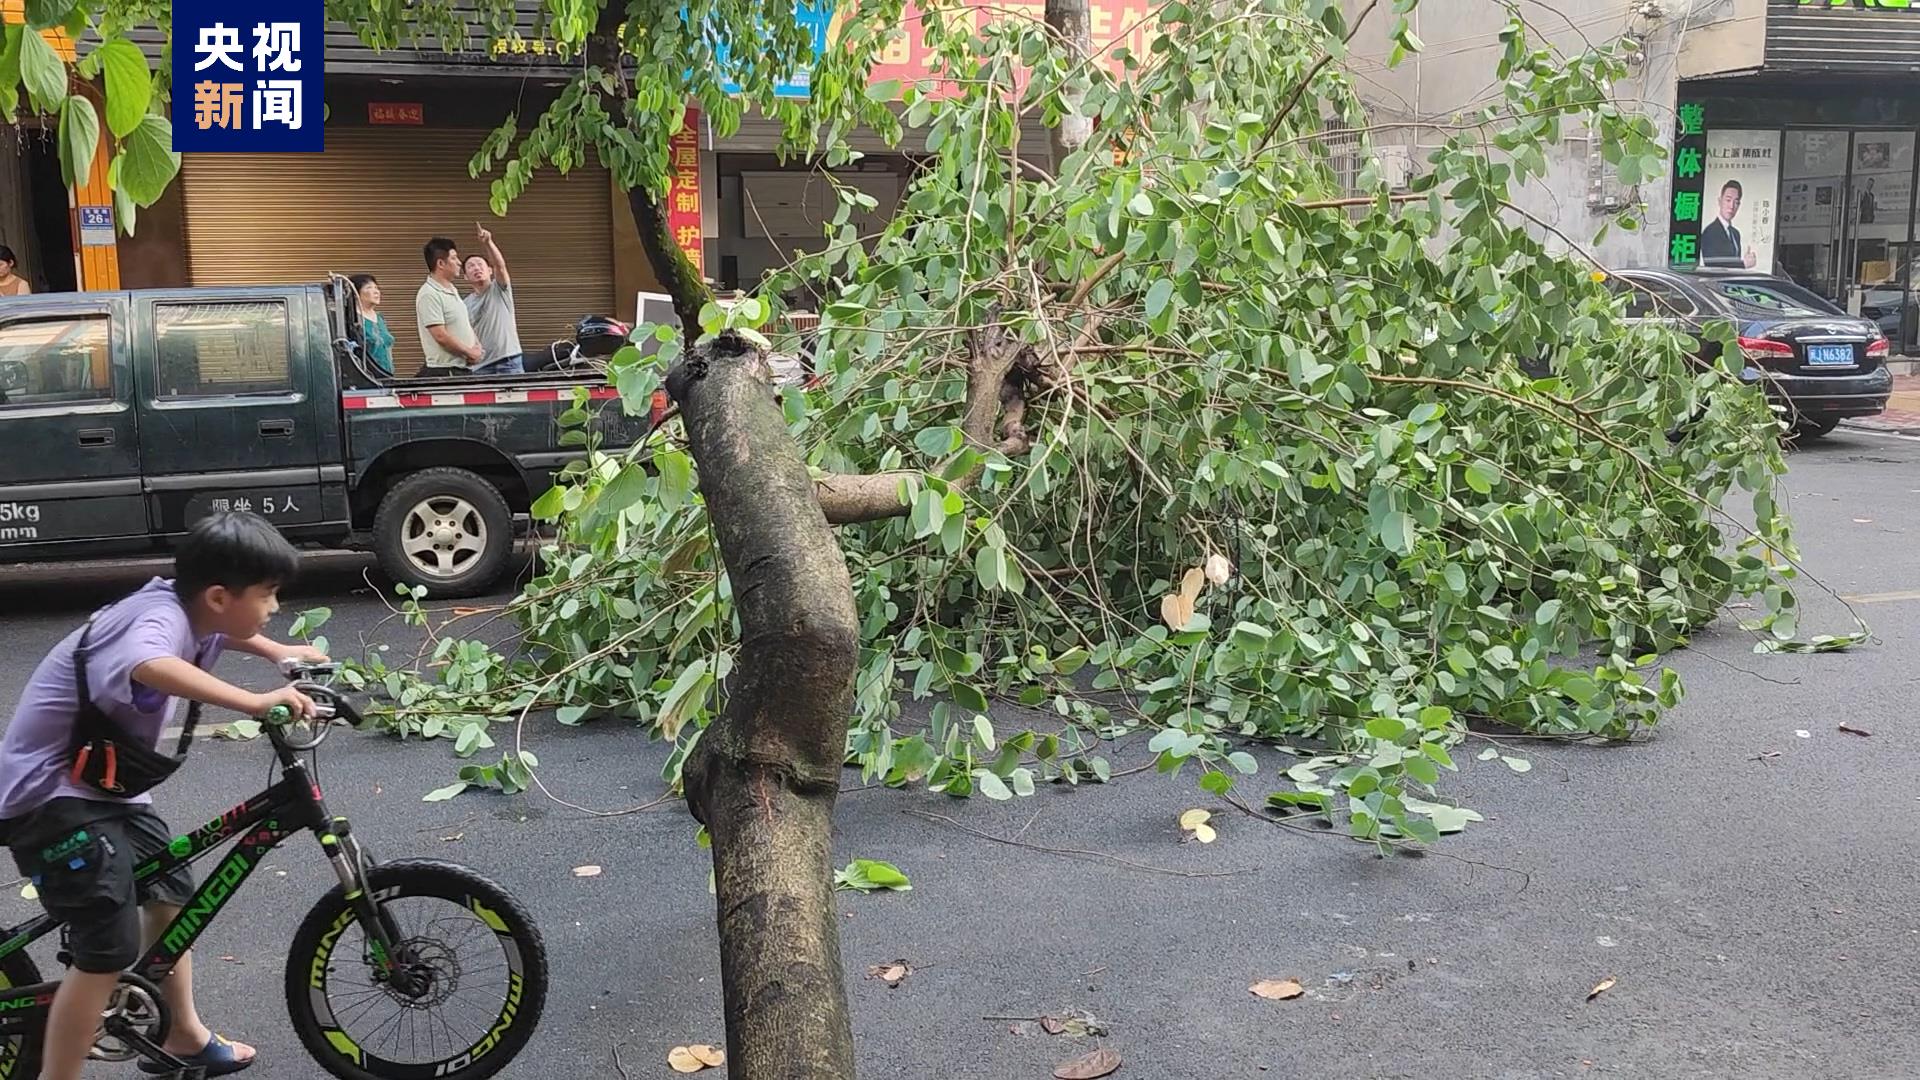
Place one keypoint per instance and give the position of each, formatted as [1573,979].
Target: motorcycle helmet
[600,335]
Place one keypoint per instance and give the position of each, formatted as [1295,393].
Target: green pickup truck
[124,416]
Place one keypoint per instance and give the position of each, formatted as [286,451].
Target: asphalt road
[1758,915]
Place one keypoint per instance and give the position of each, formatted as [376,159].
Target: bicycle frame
[261,824]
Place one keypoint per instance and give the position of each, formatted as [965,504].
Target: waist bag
[105,756]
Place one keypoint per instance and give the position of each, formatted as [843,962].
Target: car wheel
[447,530]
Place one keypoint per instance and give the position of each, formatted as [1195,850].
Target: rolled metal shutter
[373,200]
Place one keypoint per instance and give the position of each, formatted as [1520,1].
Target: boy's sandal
[218,1058]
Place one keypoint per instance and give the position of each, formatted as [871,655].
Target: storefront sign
[96,226]
[396,112]
[1689,163]
[683,191]
[1129,23]
[1741,189]
[247,80]
[1866,5]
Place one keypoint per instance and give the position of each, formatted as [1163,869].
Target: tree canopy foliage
[1192,431]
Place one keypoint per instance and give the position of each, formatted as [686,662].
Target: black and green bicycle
[405,970]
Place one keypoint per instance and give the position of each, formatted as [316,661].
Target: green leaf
[1396,532]
[46,14]
[991,786]
[445,793]
[1548,612]
[129,85]
[548,507]
[1159,295]
[687,695]
[871,875]
[1481,477]
[1022,782]
[1243,762]
[79,139]
[1517,764]
[938,442]
[43,71]
[147,161]
[10,73]
[1216,782]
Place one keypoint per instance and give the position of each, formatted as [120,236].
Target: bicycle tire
[311,962]
[20,1055]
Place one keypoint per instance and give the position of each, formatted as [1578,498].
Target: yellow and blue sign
[248,76]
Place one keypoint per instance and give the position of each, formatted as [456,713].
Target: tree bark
[675,272]
[1070,21]
[764,775]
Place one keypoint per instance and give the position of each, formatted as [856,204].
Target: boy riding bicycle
[82,750]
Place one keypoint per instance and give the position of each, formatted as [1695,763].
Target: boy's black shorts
[82,853]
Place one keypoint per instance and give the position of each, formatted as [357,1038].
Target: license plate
[1826,355]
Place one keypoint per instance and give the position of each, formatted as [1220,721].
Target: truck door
[69,451]
[228,422]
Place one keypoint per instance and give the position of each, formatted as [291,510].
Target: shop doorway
[1846,224]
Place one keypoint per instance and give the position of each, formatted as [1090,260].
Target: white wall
[1455,74]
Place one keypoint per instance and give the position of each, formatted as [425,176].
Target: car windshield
[1770,298]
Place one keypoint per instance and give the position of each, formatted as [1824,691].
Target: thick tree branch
[764,775]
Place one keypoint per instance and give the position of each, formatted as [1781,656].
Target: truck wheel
[446,529]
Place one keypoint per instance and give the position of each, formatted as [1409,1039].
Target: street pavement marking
[1883,597]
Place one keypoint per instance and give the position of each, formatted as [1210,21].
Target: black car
[1818,363]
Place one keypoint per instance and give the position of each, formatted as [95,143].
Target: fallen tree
[1163,424]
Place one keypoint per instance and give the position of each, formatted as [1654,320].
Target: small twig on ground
[1073,852]
[619,1068]
[1036,813]
[1526,879]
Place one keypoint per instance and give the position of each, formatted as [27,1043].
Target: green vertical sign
[1689,166]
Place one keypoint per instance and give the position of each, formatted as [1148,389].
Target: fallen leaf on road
[1195,822]
[1277,989]
[233,960]
[693,1059]
[1803,733]
[1088,1066]
[1606,984]
[891,974]
[1863,521]
[28,892]
[586,871]
[452,838]
[1851,730]
[1073,1025]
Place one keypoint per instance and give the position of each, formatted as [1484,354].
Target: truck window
[215,349]
[57,361]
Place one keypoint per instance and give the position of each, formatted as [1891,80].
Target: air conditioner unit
[1396,166]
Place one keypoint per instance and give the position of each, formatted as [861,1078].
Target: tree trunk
[671,267]
[764,775]
[1070,21]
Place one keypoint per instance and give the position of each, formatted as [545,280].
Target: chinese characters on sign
[411,113]
[683,192]
[269,505]
[1689,159]
[96,226]
[246,78]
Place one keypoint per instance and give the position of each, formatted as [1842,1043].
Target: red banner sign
[1114,23]
[683,191]
[396,112]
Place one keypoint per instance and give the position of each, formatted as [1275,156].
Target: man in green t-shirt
[446,331]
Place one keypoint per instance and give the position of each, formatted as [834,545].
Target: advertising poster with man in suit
[1742,191]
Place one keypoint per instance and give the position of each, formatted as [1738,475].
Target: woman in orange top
[11,284]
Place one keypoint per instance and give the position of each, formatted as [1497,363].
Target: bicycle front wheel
[463,991]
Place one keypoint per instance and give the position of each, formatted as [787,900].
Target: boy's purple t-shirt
[35,752]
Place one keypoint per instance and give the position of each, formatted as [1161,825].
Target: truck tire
[445,529]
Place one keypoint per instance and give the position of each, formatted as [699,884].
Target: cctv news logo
[248,78]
